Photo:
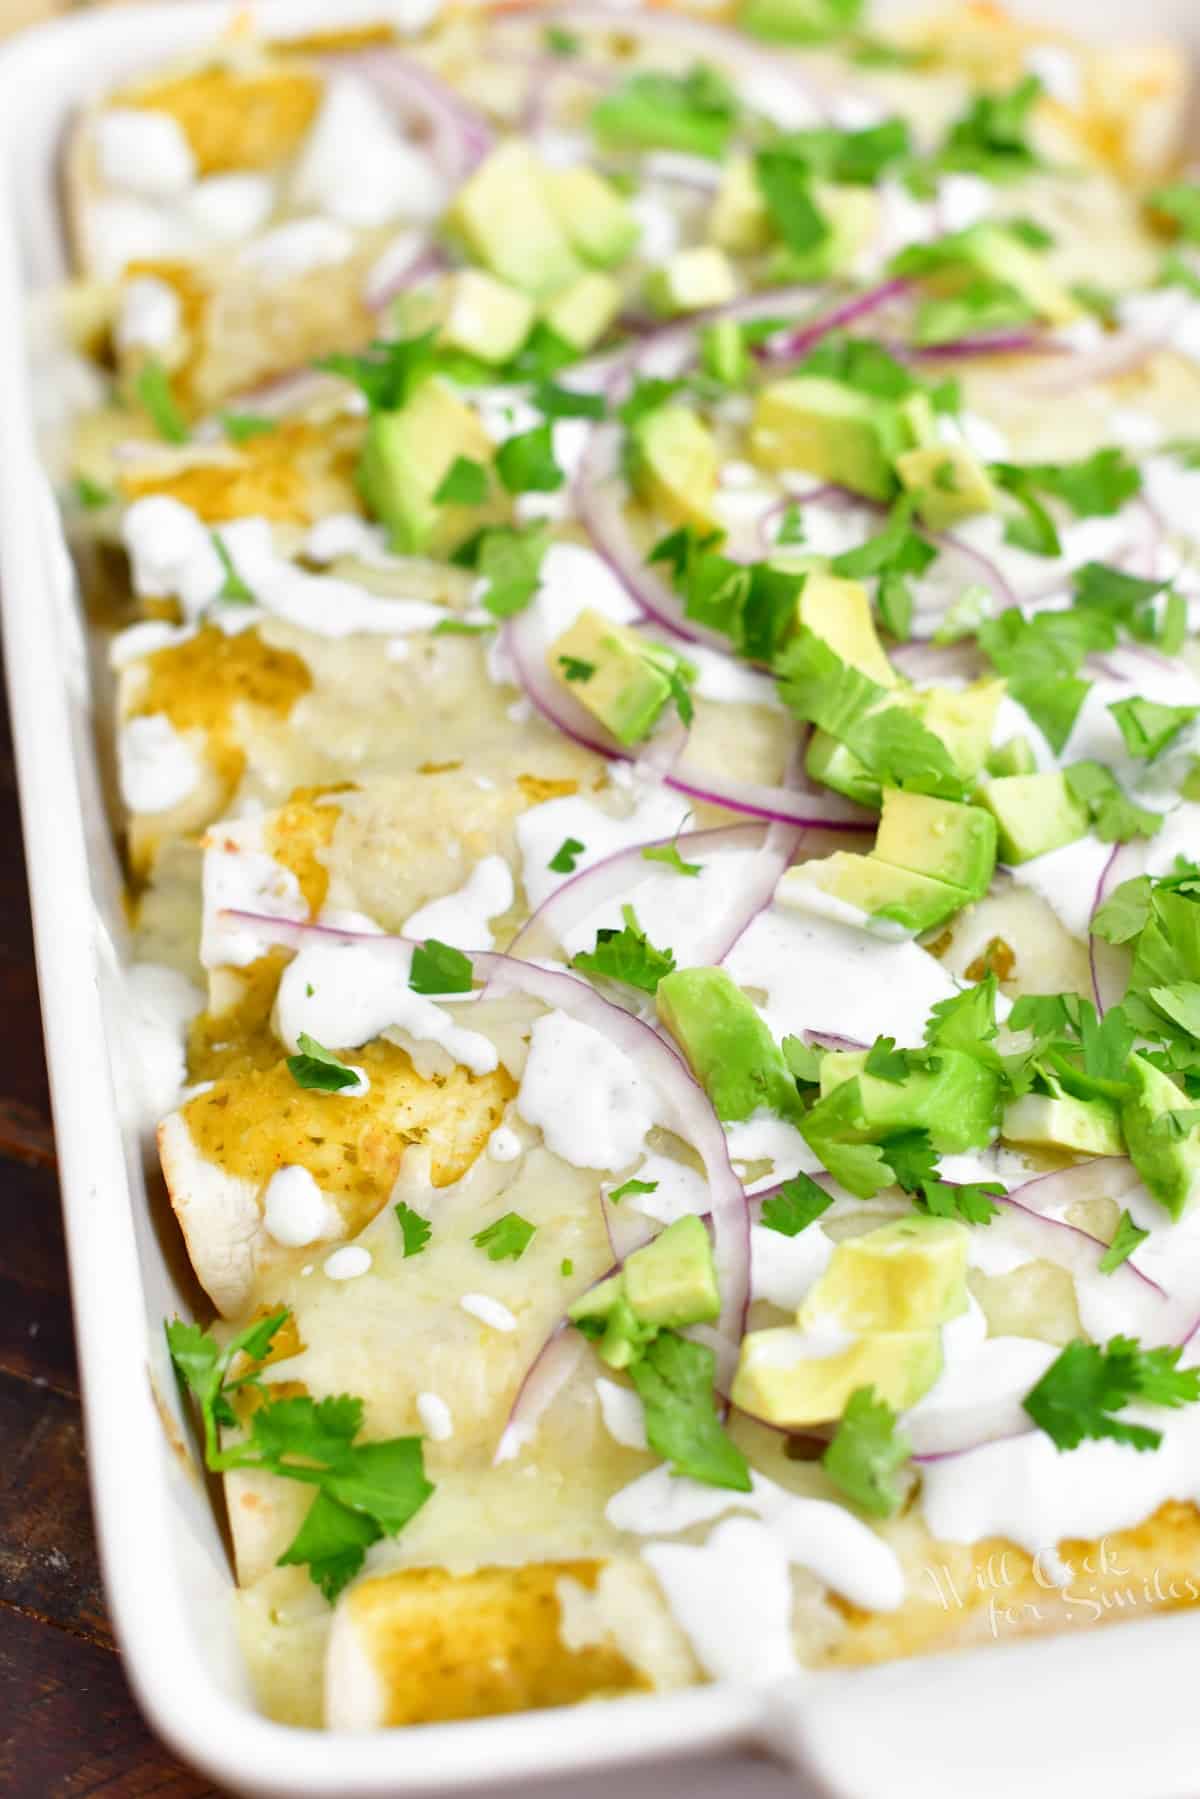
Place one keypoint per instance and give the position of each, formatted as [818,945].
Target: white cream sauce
[158,767]
[585,1095]
[295,1211]
[462,919]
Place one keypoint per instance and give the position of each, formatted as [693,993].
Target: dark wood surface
[68,1724]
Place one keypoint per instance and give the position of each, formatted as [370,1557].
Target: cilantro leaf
[1126,911]
[506,1239]
[694,113]
[803,1060]
[333,1541]
[1114,816]
[317,1069]
[240,427]
[1126,1238]
[233,589]
[973,1202]
[439,968]
[911,1159]
[555,402]
[866,1454]
[669,854]
[1180,203]
[966,1021]
[563,861]
[1181,1003]
[798,1204]
[90,495]
[1087,1384]
[626,955]
[627,1188]
[465,483]
[526,463]
[574,668]
[388,373]
[786,187]
[674,1379]
[1149,727]
[885,1061]
[991,137]
[415,1231]
[155,394]
[509,558]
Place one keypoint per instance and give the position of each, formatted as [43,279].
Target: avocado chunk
[739,221]
[897,896]
[1169,1166]
[950,484]
[794,21]
[727,1044]
[504,216]
[852,217]
[669,1283]
[954,1099]
[620,678]
[583,312]
[963,720]
[839,613]
[908,1275]
[692,280]
[991,250]
[1091,1127]
[472,311]
[1012,757]
[723,352]
[596,219]
[407,454]
[673,464]
[939,838]
[1034,813]
[783,1378]
[833,431]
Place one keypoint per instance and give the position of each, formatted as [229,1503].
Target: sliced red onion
[831,1040]
[998,343]
[292,392]
[791,346]
[828,811]
[690,1113]
[1120,353]
[1162,1319]
[627,1231]
[977,570]
[555,1363]
[384,283]
[460,137]
[1044,1193]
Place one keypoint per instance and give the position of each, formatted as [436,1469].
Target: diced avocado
[723,352]
[964,719]
[992,250]
[620,678]
[473,311]
[583,312]
[669,1283]
[692,280]
[833,431]
[839,612]
[912,901]
[596,219]
[908,1275]
[739,221]
[852,215]
[1092,1127]
[954,1101]
[939,838]
[727,1044]
[1034,813]
[833,765]
[916,409]
[950,484]
[1012,757]
[796,21]
[1169,1166]
[672,1281]
[783,1378]
[406,456]
[673,464]
[505,217]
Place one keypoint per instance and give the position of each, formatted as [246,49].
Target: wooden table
[68,1724]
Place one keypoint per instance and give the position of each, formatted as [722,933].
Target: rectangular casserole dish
[1021,1717]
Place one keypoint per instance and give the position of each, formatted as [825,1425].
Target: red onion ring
[425,263]
[460,136]
[544,1379]
[795,344]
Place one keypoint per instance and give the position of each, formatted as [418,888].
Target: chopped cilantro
[628,1187]
[240,427]
[1114,816]
[912,1159]
[90,495]
[966,1021]
[415,1231]
[574,668]
[460,627]
[1181,204]
[506,1239]
[984,304]
[465,483]
[803,1060]
[439,968]
[560,42]
[566,1268]
[318,1069]
[526,463]
[562,862]
[1126,1238]
[669,853]
[153,388]
[866,1454]
[886,1062]
[509,558]
[555,402]
[1149,727]
[233,589]
[694,113]
[674,1379]
[972,1202]
[991,138]
[365,1491]
[626,955]
[1083,1389]
[786,188]
[388,373]
[791,525]
[798,1204]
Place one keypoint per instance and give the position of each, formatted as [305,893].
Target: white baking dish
[1110,1714]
